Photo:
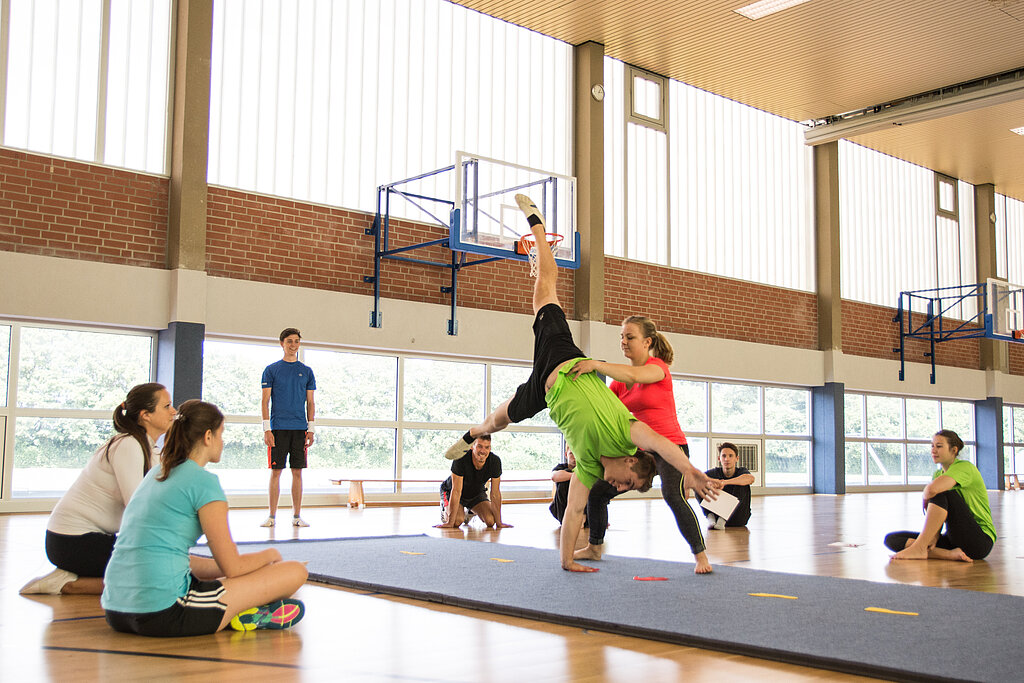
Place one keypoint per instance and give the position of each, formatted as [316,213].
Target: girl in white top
[81,530]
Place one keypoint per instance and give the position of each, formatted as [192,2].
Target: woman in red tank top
[645,387]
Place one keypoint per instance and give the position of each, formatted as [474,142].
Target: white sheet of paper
[723,506]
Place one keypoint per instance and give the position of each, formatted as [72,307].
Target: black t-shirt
[473,479]
[740,491]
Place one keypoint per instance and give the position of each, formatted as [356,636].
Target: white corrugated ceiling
[821,58]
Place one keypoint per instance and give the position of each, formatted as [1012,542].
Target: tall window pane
[423,456]
[505,379]
[232,372]
[787,411]
[735,408]
[354,386]
[854,463]
[853,414]
[50,452]
[699,456]
[885,463]
[691,405]
[786,463]
[5,361]
[527,456]
[885,416]
[922,418]
[959,417]
[1018,424]
[920,465]
[80,370]
[443,391]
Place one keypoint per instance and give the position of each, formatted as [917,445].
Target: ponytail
[194,419]
[142,397]
[660,347]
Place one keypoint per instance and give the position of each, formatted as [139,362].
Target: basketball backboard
[1004,310]
[486,219]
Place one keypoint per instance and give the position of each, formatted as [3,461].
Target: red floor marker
[650,578]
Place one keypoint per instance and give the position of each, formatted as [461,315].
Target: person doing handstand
[599,429]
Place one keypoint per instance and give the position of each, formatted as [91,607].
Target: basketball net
[528,245]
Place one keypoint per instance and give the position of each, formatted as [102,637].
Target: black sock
[467,438]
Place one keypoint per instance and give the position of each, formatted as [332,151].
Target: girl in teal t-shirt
[152,585]
[955,498]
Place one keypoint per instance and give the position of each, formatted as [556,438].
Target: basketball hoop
[528,245]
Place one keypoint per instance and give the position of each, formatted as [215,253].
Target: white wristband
[311,427]
[266,425]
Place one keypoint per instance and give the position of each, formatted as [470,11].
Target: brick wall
[282,241]
[58,207]
[868,330]
[696,303]
[1016,358]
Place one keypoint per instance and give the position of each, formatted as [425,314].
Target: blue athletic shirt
[149,569]
[288,384]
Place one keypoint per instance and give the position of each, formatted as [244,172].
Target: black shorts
[197,613]
[287,442]
[84,554]
[468,503]
[552,346]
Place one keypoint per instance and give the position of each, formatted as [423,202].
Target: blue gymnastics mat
[927,634]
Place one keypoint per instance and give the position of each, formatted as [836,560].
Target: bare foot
[912,552]
[577,567]
[956,555]
[591,552]
[703,565]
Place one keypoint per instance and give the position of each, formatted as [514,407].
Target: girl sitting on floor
[956,497]
[153,587]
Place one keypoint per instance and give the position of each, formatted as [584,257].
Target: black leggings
[671,491]
[85,554]
[962,529]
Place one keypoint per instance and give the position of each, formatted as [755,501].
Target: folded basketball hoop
[528,245]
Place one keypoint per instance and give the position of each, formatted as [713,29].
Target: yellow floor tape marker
[882,610]
[498,559]
[773,595]
[409,552]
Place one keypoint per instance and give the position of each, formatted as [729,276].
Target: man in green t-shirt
[598,428]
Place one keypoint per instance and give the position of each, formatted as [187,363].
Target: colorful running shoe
[279,614]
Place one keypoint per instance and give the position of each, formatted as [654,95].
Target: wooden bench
[1013,482]
[357,498]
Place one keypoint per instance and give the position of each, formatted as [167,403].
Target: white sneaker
[527,206]
[720,524]
[269,522]
[469,517]
[298,521]
[457,450]
[49,584]
[712,520]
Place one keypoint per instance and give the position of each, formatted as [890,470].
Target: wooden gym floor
[355,636]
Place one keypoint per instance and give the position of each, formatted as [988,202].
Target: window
[68,382]
[1013,439]
[679,159]
[325,101]
[5,362]
[379,416]
[776,418]
[88,90]
[647,98]
[888,438]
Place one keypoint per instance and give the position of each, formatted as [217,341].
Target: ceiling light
[1018,131]
[765,7]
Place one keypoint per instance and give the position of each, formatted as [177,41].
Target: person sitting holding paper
[736,481]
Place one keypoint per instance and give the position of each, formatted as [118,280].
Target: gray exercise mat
[955,635]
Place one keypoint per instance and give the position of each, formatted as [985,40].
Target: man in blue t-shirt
[288,427]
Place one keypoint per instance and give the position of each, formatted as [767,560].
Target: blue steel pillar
[829,445]
[179,360]
[988,430]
